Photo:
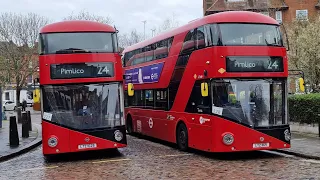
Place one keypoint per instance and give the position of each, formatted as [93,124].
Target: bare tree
[133,37]
[84,15]
[168,23]
[18,47]
[3,72]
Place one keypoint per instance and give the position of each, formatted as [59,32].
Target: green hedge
[304,108]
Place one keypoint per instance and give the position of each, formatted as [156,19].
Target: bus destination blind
[81,70]
[254,64]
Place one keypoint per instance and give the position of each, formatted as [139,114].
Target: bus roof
[223,17]
[77,26]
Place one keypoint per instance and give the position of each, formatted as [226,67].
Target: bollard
[19,115]
[29,120]
[25,126]
[13,135]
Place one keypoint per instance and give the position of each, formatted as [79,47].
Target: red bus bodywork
[69,138]
[205,131]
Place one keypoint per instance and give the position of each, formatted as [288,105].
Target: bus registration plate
[261,145]
[87,146]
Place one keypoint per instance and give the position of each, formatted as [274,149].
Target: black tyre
[129,125]
[182,137]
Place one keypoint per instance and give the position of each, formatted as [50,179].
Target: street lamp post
[144,33]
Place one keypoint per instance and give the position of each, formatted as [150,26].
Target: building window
[279,16]
[209,3]
[7,96]
[302,14]
[29,79]
[265,13]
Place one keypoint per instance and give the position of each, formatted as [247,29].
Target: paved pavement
[149,159]
[304,145]
[25,144]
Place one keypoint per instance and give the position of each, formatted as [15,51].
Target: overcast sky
[126,14]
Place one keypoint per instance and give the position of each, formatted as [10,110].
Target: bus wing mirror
[130,89]
[204,89]
[301,84]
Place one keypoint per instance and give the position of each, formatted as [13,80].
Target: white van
[10,95]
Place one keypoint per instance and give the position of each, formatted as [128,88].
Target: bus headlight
[52,142]
[118,135]
[227,139]
[287,135]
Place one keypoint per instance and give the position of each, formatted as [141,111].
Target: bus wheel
[129,124]
[182,137]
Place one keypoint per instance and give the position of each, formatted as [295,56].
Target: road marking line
[299,139]
[111,160]
[39,168]
[278,153]
[175,155]
[311,161]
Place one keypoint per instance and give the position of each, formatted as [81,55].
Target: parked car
[9,106]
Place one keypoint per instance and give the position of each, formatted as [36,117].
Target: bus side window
[149,100]
[189,43]
[200,39]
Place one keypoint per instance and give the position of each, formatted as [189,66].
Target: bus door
[158,121]
[148,123]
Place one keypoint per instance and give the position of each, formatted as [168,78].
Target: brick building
[284,11]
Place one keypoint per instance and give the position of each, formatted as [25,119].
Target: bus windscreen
[83,106]
[233,34]
[77,42]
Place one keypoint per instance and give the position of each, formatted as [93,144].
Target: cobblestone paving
[144,159]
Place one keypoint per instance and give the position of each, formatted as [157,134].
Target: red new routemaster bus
[217,84]
[81,87]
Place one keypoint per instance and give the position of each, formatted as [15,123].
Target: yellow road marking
[111,160]
[175,155]
[39,168]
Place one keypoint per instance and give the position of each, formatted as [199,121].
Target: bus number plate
[87,146]
[261,145]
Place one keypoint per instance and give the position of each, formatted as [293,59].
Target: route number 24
[103,70]
[273,65]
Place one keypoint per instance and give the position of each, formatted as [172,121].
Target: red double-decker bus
[217,84]
[81,87]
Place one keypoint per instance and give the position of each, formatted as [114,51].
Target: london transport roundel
[150,123]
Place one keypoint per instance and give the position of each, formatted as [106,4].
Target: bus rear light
[52,142]
[227,139]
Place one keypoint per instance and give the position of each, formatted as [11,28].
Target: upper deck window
[250,35]
[78,42]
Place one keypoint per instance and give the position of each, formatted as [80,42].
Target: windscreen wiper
[72,50]
[272,44]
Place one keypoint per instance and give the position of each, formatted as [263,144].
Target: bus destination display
[254,64]
[81,70]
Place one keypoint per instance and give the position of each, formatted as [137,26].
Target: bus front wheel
[182,137]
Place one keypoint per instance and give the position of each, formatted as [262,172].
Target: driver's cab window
[197,103]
